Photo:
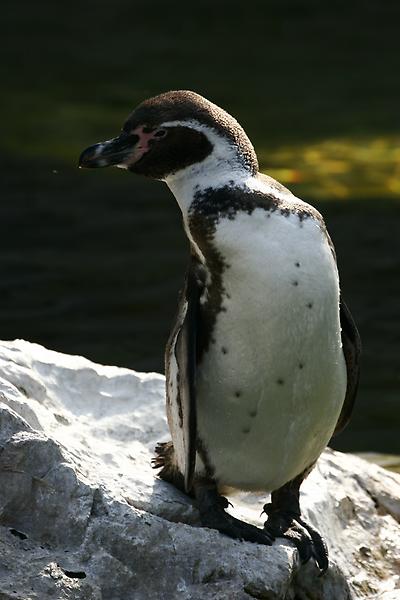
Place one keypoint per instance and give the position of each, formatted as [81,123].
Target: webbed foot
[212,513]
[290,525]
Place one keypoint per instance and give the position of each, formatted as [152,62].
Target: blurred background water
[91,261]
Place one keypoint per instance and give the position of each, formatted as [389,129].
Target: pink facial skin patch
[142,145]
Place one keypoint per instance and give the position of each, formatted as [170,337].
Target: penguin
[262,364]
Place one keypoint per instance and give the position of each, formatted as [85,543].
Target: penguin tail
[165,460]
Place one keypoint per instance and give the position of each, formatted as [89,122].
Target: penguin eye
[160,133]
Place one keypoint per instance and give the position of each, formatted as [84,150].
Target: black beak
[112,152]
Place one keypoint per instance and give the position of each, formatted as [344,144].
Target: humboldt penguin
[262,364]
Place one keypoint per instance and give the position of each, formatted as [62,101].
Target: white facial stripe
[192,123]
[214,137]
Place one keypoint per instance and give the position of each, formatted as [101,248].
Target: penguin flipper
[352,351]
[181,359]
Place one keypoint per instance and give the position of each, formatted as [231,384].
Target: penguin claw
[320,549]
[307,540]
[224,502]
[301,540]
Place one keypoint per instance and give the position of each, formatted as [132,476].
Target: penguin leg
[213,515]
[284,520]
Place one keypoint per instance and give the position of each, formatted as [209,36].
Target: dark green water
[91,262]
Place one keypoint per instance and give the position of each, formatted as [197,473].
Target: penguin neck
[228,163]
[212,173]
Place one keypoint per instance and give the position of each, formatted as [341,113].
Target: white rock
[84,516]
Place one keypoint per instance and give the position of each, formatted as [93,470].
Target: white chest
[271,385]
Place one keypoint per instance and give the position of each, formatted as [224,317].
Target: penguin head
[171,133]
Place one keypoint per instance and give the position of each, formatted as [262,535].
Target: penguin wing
[352,351]
[181,358]
[351,342]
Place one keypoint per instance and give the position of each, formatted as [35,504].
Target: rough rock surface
[83,515]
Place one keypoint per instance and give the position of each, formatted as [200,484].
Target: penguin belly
[271,384]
